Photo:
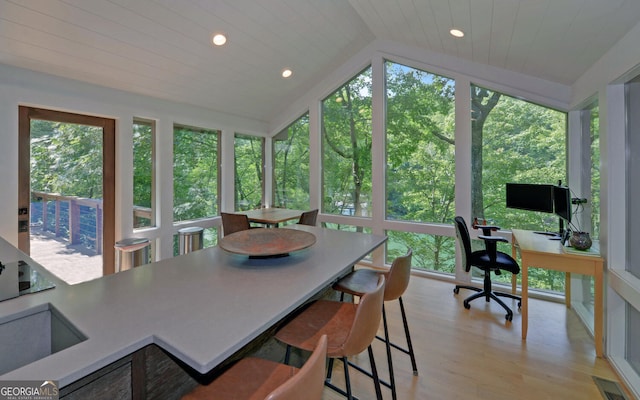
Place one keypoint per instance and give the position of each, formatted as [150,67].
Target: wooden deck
[71,263]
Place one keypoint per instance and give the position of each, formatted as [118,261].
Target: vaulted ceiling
[162,48]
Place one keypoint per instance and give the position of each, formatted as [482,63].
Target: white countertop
[201,307]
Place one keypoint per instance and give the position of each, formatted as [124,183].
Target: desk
[272,216]
[538,251]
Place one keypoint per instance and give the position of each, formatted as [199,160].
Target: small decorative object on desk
[580,240]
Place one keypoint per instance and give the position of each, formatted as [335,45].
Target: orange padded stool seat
[361,281]
[350,329]
[259,379]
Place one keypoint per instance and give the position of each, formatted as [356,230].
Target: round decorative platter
[267,242]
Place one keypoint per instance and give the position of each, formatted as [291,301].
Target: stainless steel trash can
[132,252]
[190,239]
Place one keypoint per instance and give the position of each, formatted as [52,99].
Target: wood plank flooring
[476,354]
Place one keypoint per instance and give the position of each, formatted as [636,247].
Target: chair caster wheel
[466,305]
[456,290]
[519,305]
[509,317]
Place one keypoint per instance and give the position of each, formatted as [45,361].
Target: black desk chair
[488,260]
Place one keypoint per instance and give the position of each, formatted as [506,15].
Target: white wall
[604,81]
[24,87]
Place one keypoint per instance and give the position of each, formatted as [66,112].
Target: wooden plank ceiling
[162,48]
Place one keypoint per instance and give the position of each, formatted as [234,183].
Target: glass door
[67,192]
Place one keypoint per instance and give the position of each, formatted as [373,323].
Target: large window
[595,171]
[346,148]
[195,173]
[420,148]
[143,173]
[430,252]
[515,141]
[624,273]
[420,157]
[291,166]
[248,162]
[633,178]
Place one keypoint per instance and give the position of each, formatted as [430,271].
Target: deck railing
[78,219]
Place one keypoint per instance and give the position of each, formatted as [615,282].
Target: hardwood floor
[475,354]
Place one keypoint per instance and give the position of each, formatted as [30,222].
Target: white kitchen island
[200,308]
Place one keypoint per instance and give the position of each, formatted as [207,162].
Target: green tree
[142,164]
[248,171]
[346,136]
[195,173]
[66,159]
[420,174]
[482,103]
[291,166]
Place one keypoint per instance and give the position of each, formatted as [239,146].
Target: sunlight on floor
[71,263]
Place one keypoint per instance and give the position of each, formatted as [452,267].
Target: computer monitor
[530,196]
[562,202]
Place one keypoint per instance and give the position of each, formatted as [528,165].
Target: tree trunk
[482,102]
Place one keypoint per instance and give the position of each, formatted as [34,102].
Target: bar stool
[350,329]
[361,281]
[256,378]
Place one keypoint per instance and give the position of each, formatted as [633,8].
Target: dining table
[272,216]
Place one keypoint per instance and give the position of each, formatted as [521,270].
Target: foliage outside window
[595,171]
[66,160]
[420,156]
[516,141]
[248,159]
[430,252]
[143,173]
[291,166]
[195,173]
[346,148]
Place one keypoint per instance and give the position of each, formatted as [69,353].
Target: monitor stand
[552,235]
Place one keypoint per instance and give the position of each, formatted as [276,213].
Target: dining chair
[234,223]
[256,379]
[364,280]
[350,329]
[309,217]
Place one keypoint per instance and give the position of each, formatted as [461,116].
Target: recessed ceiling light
[286,73]
[456,33]
[219,39]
